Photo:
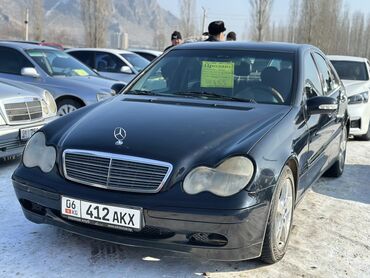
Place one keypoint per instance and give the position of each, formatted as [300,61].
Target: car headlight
[37,154]
[227,179]
[102,96]
[49,108]
[359,98]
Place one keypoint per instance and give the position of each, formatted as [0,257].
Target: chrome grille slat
[26,111]
[116,172]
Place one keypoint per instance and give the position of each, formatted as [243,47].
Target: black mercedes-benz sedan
[208,150]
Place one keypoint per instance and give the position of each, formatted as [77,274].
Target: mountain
[143,20]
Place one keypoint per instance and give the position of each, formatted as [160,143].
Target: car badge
[120,135]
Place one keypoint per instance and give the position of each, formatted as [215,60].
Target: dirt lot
[330,238]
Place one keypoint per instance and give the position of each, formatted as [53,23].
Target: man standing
[216,31]
[176,39]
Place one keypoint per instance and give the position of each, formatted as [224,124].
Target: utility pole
[204,19]
[26,22]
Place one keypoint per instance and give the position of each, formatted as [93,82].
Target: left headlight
[359,98]
[49,108]
[102,96]
[37,154]
[229,178]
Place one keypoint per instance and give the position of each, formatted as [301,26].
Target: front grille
[117,172]
[23,111]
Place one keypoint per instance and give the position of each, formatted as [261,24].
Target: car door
[109,65]
[12,62]
[322,128]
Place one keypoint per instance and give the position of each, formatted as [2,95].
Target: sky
[235,12]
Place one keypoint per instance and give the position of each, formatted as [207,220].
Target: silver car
[111,63]
[71,83]
[23,110]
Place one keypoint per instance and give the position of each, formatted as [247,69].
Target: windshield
[253,76]
[138,62]
[55,62]
[351,70]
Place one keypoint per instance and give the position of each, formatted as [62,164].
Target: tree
[95,18]
[260,16]
[187,22]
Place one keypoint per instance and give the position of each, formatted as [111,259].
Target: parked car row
[29,68]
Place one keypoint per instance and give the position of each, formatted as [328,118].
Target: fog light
[208,239]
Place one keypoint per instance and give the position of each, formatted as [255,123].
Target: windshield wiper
[142,92]
[213,95]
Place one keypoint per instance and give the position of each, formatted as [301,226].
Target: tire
[336,170]
[67,106]
[280,219]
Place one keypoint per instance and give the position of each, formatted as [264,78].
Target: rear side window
[107,62]
[349,70]
[312,79]
[86,57]
[12,61]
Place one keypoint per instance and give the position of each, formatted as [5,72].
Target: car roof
[110,50]
[346,58]
[23,45]
[261,46]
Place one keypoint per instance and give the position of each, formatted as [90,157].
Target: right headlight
[359,98]
[49,107]
[37,154]
[229,178]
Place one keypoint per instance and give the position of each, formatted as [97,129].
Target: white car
[23,110]
[148,54]
[355,75]
[116,64]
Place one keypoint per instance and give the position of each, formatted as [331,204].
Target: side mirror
[126,69]
[321,105]
[31,72]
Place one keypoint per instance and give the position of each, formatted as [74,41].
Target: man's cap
[176,35]
[216,27]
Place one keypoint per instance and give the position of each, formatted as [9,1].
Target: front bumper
[169,228]
[10,141]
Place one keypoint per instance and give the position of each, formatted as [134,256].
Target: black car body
[174,139]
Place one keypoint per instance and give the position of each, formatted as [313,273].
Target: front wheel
[67,106]
[280,220]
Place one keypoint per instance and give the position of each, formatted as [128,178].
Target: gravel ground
[330,238]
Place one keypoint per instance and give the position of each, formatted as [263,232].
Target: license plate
[102,215]
[26,133]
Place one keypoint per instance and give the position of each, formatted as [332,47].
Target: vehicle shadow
[6,165]
[353,185]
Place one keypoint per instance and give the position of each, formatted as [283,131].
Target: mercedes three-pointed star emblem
[120,135]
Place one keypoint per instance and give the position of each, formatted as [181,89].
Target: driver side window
[312,81]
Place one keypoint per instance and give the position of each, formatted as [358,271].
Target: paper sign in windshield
[217,75]
[81,72]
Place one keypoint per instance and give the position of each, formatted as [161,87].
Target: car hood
[183,133]
[91,83]
[354,87]
[12,89]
